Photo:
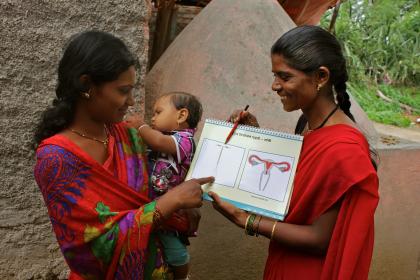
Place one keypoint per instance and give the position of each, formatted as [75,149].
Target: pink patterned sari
[101,214]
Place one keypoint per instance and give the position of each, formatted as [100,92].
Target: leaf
[104,212]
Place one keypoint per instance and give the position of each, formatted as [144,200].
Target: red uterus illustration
[254,160]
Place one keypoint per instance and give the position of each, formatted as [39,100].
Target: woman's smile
[282,96]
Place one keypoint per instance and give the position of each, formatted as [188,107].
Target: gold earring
[86,95]
[318,87]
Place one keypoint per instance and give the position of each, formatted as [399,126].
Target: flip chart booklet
[254,171]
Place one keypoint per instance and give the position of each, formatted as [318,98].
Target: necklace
[325,120]
[104,142]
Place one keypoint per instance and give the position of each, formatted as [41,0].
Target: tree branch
[405,107]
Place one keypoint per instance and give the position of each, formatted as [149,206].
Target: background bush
[381,42]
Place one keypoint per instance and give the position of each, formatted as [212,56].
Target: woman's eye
[282,77]
[125,90]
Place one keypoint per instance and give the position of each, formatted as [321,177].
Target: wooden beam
[162,36]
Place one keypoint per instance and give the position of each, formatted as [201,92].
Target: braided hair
[99,55]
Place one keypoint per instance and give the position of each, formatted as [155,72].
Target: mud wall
[32,37]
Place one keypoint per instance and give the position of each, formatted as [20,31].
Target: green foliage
[382,47]
[405,95]
[381,39]
[376,109]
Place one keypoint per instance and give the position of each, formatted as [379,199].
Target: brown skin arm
[158,141]
[155,139]
[312,238]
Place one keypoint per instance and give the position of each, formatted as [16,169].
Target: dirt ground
[223,251]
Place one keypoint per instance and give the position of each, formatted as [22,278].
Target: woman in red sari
[328,232]
[91,168]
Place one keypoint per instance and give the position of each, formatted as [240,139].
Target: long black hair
[101,56]
[307,48]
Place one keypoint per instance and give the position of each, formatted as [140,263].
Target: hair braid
[343,98]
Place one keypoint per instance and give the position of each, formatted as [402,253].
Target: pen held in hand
[235,125]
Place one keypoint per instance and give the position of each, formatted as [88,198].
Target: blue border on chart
[249,208]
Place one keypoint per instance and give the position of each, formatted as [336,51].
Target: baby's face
[165,115]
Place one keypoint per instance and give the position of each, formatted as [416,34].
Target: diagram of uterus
[255,160]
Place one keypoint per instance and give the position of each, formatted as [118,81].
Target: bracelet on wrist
[158,217]
[257,228]
[272,230]
[246,221]
[143,125]
[249,227]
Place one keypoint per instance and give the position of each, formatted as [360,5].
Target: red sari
[101,214]
[334,166]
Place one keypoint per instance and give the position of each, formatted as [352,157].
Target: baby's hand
[134,120]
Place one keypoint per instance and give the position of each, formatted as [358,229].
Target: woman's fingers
[234,116]
[230,211]
[204,180]
[225,208]
[244,117]
[219,204]
[215,197]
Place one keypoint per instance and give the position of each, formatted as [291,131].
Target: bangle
[249,225]
[157,216]
[143,125]
[246,222]
[256,230]
[272,230]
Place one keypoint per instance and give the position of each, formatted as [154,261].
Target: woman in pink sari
[91,168]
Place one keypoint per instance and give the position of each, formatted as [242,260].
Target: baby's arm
[157,141]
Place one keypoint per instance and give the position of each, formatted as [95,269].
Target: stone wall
[32,36]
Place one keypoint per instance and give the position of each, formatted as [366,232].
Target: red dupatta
[334,166]
[101,214]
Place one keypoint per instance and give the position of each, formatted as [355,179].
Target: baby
[170,138]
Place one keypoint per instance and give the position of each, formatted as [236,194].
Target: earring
[86,95]
[318,87]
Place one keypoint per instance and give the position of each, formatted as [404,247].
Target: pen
[235,125]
